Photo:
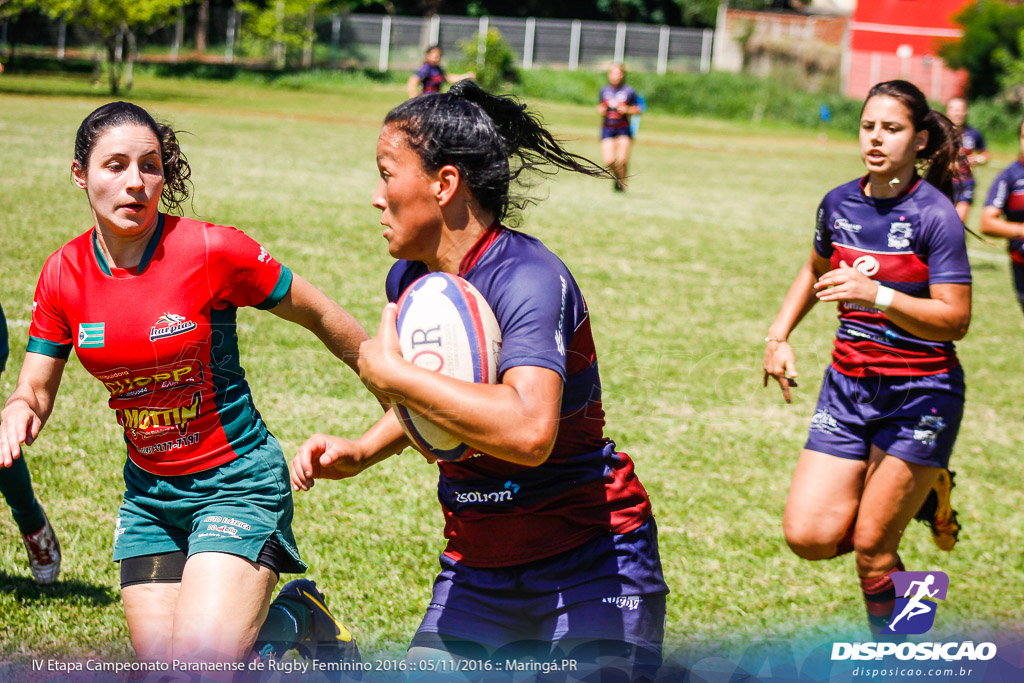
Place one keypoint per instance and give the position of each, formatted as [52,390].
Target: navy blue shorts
[611,588]
[608,132]
[912,418]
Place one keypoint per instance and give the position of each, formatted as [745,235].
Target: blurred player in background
[431,77]
[972,153]
[566,556]
[1003,215]
[617,102]
[889,249]
[148,302]
[16,486]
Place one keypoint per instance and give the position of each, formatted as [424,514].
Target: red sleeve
[50,332]
[243,273]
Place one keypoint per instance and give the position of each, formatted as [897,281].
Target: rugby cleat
[327,639]
[938,514]
[43,553]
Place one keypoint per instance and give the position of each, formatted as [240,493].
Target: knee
[809,545]
[874,555]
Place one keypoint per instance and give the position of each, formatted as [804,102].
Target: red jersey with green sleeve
[161,337]
[908,243]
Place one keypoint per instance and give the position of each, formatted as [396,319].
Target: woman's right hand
[780,363]
[326,457]
[19,424]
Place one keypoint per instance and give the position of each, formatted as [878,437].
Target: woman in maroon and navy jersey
[889,249]
[148,302]
[551,539]
[1003,215]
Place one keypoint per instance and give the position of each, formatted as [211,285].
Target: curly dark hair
[176,169]
[491,139]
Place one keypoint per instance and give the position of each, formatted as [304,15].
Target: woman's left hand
[381,357]
[847,284]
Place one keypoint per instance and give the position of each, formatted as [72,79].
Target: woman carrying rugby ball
[570,558]
[889,249]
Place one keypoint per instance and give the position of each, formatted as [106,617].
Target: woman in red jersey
[889,249]
[148,302]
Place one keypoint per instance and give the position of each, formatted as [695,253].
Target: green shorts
[234,508]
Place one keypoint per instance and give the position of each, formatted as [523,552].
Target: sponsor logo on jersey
[867,264]
[843,224]
[91,335]
[899,234]
[504,496]
[264,255]
[559,337]
[170,325]
[150,422]
[121,384]
[928,428]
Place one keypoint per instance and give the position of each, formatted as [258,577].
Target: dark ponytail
[491,139]
[941,156]
[176,169]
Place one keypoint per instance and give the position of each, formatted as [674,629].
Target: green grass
[683,275]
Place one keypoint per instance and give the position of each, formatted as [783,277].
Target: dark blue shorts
[610,588]
[912,418]
[964,191]
[608,132]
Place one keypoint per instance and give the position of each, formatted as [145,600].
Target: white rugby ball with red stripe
[445,325]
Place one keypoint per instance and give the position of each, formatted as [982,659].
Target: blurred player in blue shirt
[617,102]
[430,77]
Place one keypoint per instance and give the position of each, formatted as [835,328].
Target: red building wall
[900,39]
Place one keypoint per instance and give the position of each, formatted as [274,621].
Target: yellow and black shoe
[938,514]
[327,639]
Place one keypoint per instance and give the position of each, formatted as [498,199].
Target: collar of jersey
[146,255]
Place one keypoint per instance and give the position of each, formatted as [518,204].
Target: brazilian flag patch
[90,335]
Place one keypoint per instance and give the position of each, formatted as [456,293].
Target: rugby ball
[445,325]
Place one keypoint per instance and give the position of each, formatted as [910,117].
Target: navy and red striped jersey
[612,97]
[907,243]
[498,513]
[161,337]
[1007,195]
[971,142]
[431,77]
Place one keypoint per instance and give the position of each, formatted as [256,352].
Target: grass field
[683,275]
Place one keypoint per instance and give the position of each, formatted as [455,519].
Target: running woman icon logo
[914,612]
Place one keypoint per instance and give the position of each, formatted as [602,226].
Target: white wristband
[883,298]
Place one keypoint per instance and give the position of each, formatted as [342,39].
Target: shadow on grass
[77,591]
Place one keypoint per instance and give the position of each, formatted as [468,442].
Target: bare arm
[28,408]
[332,457]
[306,305]
[516,420]
[944,316]
[412,86]
[994,224]
[779,359]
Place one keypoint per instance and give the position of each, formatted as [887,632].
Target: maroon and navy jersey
[1007,195]
[611,97]
[498,513]
[161,337]
[907,243]
[431,77]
